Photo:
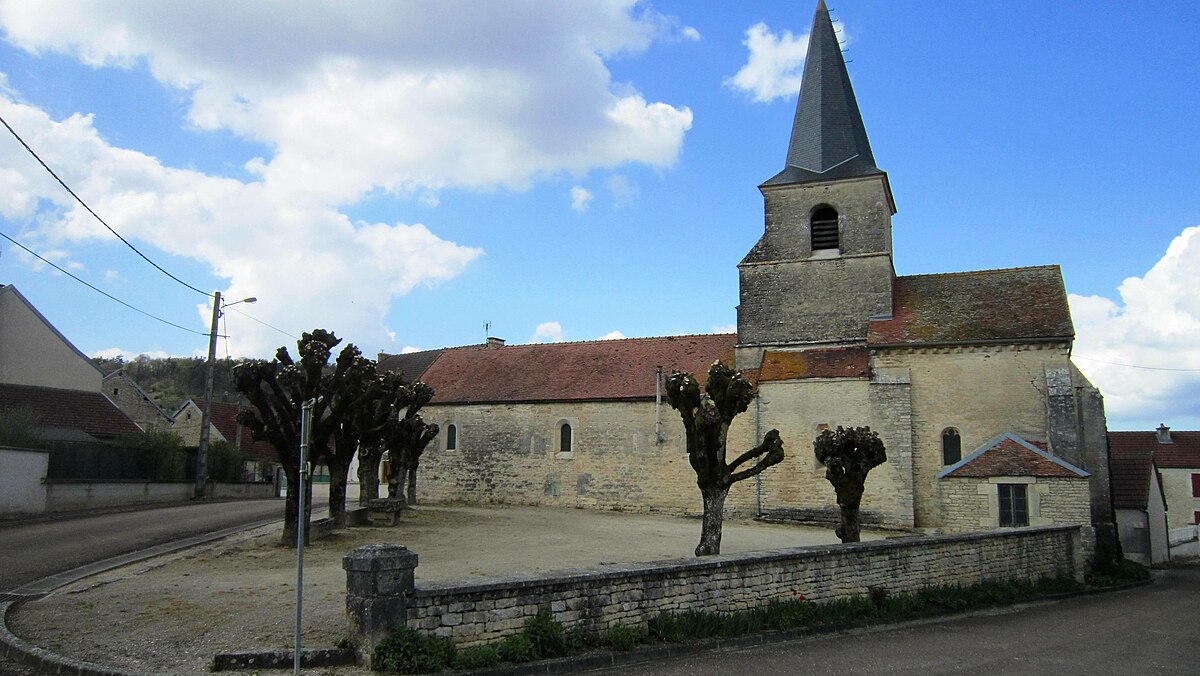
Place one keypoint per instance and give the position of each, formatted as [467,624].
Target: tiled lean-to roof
[1010,455]
[847,362]
[1130,472]
[87,411]
[968,307]
[587,371]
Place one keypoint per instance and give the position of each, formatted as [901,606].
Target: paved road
[1148,630]
[35,550]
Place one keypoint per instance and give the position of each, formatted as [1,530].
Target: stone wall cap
[380,556]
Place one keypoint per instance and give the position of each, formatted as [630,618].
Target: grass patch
[542,637]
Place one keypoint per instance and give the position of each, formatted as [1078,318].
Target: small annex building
[966,376]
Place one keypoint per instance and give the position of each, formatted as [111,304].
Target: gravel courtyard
[171,614]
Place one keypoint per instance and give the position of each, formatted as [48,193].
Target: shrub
[547,636]
[1121,572]
[517,648]
[477,657]
[412,652]
[624,637]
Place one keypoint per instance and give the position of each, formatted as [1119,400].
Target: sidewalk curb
[21,650]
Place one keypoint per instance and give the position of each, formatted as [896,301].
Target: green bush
[477,657]
[1118,573]
[18,428]
[517,648]
[162,453]
[412,652]
[624,637]
[547,636]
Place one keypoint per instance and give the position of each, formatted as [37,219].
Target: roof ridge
[960,273]
[605,341]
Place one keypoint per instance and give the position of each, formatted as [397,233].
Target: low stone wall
[67,495]
[381,593]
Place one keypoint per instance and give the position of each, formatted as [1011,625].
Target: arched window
[451,437]
[951,446]
[564,438]
[825,228]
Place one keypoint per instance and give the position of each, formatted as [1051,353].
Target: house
[1138,502]
[259,457]
[966,376]
[41,371]
[1177,459]
[124,391]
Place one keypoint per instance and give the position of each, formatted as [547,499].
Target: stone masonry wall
[972,503]
[508,453]
[981,391]
[598,598]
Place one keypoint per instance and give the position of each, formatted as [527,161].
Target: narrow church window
[825,228]
[951,446]
[1014,505]
[116,391]
[564,440]
[451,437]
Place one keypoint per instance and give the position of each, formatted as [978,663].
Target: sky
[414,175]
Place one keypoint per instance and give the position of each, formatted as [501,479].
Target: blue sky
[404,174]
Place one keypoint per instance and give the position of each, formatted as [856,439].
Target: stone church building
[966,376]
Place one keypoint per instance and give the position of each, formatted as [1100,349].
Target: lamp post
[206,419]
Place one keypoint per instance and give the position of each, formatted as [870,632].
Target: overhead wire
[93,213]
[38,256]
[252,318]
[1135,366]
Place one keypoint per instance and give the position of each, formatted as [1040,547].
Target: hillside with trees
[174,380]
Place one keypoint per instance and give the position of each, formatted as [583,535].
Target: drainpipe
[757,477]
[658,438]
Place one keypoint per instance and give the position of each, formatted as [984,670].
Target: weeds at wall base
[411,651]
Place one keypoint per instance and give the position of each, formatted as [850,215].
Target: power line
[266,324]
[93,213]
[103,293]
[1135,366]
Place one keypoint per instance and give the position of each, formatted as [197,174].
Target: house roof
[1130,472]
[90,412]
[411,365]
[969,307]
[1182,453]
[1010,455]
[849,362]
[587,371]
[828,138]
[224,418]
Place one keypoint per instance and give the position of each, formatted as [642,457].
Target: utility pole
[206,419]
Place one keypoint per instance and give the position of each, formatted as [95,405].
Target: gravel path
[171,614]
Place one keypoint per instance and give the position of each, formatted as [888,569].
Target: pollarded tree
[408,439]
[375,419]
[706,420]
[848,456]
[276,391]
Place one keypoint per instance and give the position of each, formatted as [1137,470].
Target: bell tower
[823,267]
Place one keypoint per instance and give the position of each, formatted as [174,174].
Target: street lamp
[206,419]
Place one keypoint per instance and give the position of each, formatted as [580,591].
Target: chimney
[495,342]
[1164,434]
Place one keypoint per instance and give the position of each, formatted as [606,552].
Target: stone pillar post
[379,581]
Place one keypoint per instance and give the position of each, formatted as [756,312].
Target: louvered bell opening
[825,229]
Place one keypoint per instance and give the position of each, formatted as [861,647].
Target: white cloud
[111,275]
[409,349]
[1154,327]
[624,193]
[612,335]
[349,99]
[725,328]
[690,34]
[580,198]
[548,332]
[775,64]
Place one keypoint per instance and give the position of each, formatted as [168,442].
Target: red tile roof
[1182,453]
[411,365]
[848,362]
[1130,472]
[90,412]
[963,307]
[1010,455]
[588,371]
[224,418]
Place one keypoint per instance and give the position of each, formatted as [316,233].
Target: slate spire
[828,138]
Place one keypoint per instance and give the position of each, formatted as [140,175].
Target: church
[966,376]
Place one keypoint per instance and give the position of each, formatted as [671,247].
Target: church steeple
[828,139]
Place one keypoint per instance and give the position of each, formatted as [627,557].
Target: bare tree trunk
[291,513]
[412,485]
[848,530]
[714,517]
[337,492]
[397,482]
[368,477]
